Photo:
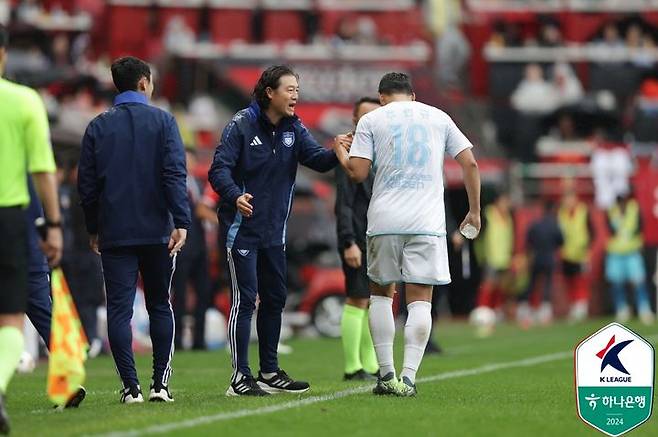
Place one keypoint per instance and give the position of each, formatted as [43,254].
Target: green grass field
[514,383]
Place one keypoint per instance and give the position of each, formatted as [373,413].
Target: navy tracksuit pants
[262,273]
[120,268]
[39,304]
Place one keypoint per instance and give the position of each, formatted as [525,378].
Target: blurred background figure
[192,267]
[81,266]
[624,263]
[497,248]
[577,230]
[543,239]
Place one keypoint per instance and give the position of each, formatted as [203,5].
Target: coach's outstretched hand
[177,241]
[243,205]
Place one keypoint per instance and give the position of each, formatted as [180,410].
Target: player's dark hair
[271,78]
[363,100]
[127,71]
[4,37]
[395,83]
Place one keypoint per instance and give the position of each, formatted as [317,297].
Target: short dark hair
[395,83]
[363,100]
[127,71]
[4,37]
[270,78]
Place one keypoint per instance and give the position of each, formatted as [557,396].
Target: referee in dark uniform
[24,148]
[352,202]
[131,180]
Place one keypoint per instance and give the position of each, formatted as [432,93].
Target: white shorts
[413,259]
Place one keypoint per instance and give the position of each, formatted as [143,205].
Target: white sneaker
[623,315]
[545,314]
[647,317]
[132,395]
[524,315]
[578,311]
[160,394]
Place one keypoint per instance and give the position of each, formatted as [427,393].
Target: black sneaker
[359,375]
[282,383]
[160,393]
[247,386]
[4,418]
[132,395]
[77,398]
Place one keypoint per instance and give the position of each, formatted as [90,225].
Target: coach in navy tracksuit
[254,171]
[132,185]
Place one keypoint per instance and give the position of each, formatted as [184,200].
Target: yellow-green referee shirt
[24,142]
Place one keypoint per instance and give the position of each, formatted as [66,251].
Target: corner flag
[68,344]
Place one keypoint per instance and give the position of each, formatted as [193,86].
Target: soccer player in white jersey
[405,141]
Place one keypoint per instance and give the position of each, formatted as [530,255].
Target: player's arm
[471,175]
[41,165]
[358,161]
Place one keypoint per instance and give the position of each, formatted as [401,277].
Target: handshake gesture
[342,144]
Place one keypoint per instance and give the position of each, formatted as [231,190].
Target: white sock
[382,330]
[268,375]
[416,334]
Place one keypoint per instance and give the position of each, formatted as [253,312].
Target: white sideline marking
[203,420]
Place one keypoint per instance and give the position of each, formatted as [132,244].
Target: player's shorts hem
[379,281]
[427,281]
[430,234]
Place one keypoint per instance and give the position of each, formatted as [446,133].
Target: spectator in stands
[612,167]
[576,226]
[534,95]
[497,248]
[178,35]
[610,38]
[624,262]
[567,86]
[504,35]
[550,34]
[543,239]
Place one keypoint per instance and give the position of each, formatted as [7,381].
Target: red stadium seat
[230,24]
[281,26]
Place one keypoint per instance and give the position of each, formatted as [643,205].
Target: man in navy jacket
[132,185]
[254,171]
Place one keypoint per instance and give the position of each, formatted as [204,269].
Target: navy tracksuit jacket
[261,159]
[131,181]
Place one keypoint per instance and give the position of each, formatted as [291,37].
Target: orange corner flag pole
[68,344]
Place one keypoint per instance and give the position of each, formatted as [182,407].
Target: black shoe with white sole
[77,398]
[132,395]
[282,383]
[4,418]
[247,386]
[160,393]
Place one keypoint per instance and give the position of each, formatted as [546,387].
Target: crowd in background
[554,104]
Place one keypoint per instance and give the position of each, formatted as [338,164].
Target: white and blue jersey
[406,142]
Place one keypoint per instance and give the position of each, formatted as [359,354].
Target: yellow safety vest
[498,239]
[626,237]
[575,232]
